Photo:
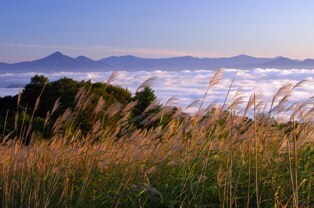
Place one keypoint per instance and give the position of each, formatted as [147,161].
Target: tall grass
[217,157]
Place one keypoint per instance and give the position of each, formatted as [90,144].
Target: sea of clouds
[188,86]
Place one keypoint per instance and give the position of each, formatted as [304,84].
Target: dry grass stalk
[146,83]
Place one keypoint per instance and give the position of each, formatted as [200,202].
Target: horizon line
[136,56]
[121,51]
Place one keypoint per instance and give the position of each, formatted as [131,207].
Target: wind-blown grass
[217,157]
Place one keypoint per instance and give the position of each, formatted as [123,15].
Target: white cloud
[191,85]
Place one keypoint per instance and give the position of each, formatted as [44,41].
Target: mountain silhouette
[56,62]
[60,62]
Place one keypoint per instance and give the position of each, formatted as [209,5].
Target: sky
[162,28]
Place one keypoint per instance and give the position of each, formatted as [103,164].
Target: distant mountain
[281,63]
[132,63]
[308,63]
[56,62]
[180,63]
[59,62]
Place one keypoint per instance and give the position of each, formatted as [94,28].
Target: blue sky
[32,29]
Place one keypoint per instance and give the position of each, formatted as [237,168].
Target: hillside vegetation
[83,144]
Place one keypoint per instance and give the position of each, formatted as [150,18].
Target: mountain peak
[56,56]
[57,53]
[242,55]
[129,56]
[280,58]
[82,58]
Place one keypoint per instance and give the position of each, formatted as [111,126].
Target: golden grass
[215,158]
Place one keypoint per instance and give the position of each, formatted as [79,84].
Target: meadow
[235,154]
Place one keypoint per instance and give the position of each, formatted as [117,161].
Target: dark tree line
[65,92]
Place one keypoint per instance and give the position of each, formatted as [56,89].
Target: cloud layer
[187,85]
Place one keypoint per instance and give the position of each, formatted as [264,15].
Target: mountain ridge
[60,62]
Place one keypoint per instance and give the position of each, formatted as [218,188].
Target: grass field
[222,156]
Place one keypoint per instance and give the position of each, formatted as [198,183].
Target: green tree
[33,90]
[143,98]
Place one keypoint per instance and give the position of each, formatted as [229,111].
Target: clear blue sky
[31,29]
